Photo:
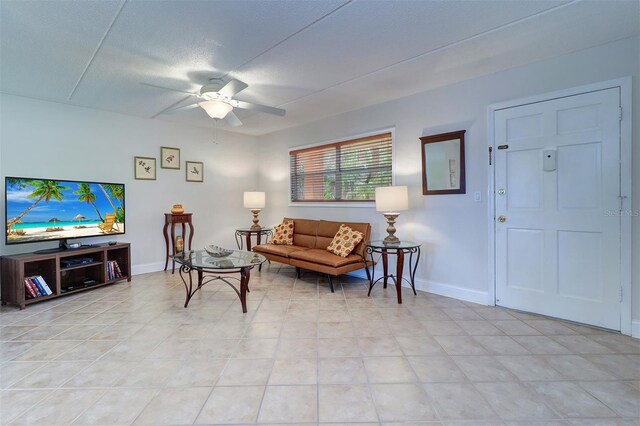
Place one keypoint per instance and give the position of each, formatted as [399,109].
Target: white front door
[557,187]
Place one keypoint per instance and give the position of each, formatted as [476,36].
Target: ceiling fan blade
[188,102]
[168,88]
[232,87]
[261,108]
[188,106]
[233,120]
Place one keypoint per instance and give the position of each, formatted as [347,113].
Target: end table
[171,219]
[246,233]
[400,249]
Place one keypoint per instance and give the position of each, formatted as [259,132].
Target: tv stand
[62,246]
[51,250]
[83,269]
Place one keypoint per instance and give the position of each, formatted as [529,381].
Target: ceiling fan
[216,98]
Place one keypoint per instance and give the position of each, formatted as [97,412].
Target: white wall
[452,228]
[44,139]
[59,141]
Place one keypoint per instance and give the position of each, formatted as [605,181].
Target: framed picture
[144,168]
[195,171]
[169,158]
[443,163]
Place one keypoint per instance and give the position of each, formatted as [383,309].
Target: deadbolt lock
[501,191]
[502,219]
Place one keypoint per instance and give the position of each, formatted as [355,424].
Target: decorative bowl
[215,251]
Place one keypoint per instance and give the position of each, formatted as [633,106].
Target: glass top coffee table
[210,268]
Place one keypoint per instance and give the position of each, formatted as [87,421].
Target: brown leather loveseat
[310,241]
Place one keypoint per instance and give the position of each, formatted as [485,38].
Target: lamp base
[391,229]
[255,225]
[391,242]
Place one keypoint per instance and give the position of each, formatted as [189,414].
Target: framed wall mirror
[443,163]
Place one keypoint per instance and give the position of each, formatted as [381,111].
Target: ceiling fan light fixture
[216,108]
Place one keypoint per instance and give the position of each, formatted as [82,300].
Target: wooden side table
[246,233]
[399,250]
[173,219]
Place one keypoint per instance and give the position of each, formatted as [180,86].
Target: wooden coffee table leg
[248,238]
[385,266]
[244,284]
[399,275]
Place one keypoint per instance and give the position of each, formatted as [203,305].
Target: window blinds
[344,171]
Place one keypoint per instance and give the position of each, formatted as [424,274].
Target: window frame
[347,204]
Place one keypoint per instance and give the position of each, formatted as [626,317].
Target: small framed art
[144,168]
[169,158]
[195,171]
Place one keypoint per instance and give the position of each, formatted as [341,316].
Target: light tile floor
[131,354]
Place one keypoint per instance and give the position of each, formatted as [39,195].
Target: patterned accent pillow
[283,234]
[345,241]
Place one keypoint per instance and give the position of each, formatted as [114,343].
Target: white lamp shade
[216,108]
[254,200]
[392,198]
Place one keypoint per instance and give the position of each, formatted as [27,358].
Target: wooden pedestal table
[208,269]
[400,249]
[243,238]
[171,219]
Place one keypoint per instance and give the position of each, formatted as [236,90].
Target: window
[343,171]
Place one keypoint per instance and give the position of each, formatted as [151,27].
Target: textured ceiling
[313,58]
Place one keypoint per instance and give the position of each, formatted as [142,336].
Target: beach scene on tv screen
[40,209]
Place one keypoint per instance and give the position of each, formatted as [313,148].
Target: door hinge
[621,198]
[619,113]
[490,151]
[620,294]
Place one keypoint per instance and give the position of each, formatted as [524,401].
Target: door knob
[501,191]
[502,219]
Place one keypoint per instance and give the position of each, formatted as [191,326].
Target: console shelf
[83,265]
[89,269]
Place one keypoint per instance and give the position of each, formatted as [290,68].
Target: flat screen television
[39,210]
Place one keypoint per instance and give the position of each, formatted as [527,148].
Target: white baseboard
[441,289]
[360,273]
[448,290]
[147,268]
[635,329]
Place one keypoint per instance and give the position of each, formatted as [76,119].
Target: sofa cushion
[283,233]
[304,233]
[278,250]
[305,226]
[323,257]
[328,229]
[345,240]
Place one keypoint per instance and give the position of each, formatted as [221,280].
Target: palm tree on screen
[42,190]
[117,192]
[104,191]
[86,195]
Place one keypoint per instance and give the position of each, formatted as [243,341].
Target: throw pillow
[345,240]
[283,234]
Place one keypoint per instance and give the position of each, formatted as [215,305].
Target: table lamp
[391,200]
[254,201]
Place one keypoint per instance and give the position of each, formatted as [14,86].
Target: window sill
[347,204]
